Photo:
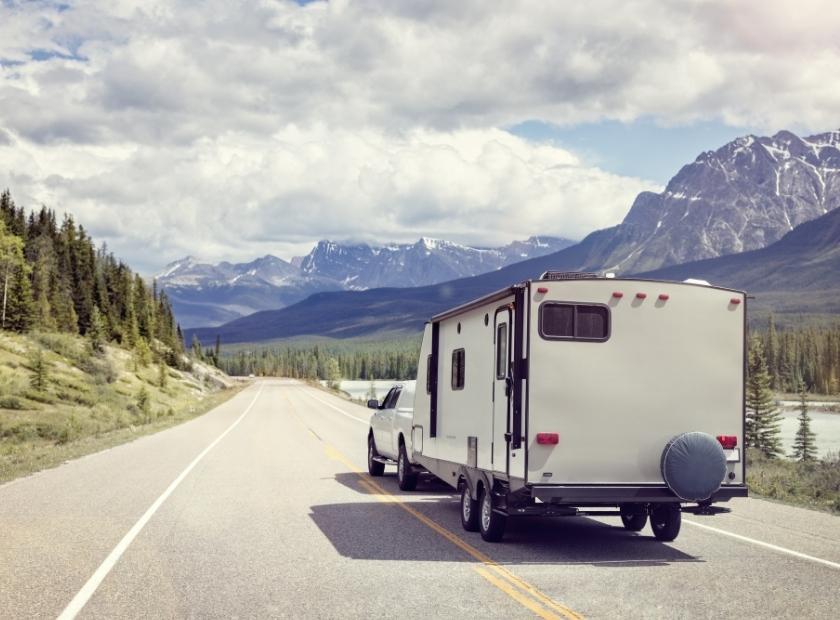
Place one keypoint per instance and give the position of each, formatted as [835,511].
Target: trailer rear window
[458,369]
[560,321]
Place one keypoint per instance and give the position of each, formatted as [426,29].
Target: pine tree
[763,417]
[40,371]
[11,263]
[96,331]
[804,445]
[333,373]
[163,374]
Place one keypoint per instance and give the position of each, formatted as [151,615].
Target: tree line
[808,355]
[53,278]
[353,360]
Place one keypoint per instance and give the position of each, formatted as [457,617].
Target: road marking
[761,543]
[514,594]
[331,406]
[81,599]
[488,564]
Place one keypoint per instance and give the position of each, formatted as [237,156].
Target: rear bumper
[589,495]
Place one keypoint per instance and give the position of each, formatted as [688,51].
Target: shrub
[11,402]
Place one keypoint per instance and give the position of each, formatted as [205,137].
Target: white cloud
[230,129]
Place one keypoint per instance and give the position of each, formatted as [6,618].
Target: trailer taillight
[734,301]
[548,439]
[664,297]
[542,289]
[641,295]
[728,441]
[618,294]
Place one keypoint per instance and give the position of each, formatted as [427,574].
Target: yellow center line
[488,564]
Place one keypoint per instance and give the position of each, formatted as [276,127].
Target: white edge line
[761,543]
[331,406]
[83,596]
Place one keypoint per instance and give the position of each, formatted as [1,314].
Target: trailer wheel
[665,521]
[633,517]
[491,524]
[375,468]
[469,510]
[405,478]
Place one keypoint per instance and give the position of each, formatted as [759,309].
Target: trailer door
[502,387]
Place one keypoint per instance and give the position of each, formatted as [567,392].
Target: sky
[231,129]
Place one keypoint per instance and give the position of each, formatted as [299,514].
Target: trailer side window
[501,351]
[574,322]
[458,369]
[428,374]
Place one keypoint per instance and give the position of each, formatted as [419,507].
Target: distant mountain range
[205,294]
[745,196]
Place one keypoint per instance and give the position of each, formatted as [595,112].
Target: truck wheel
[469,510]
[633,518]
[405,478]
[491,524]
[375,468]
[665,521]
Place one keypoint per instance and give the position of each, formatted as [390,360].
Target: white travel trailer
[577,394]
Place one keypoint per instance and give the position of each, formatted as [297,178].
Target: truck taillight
[548,439]
[728,441]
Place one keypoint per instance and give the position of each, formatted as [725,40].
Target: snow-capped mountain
[209,294]
[427,261]
[743,196]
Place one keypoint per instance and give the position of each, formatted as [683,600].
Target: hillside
[806,260]
[88,401]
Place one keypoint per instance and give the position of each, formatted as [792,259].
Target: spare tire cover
[693,466]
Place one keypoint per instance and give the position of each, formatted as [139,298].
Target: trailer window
[428,374]
[501,351]
[574,322]
[458,369]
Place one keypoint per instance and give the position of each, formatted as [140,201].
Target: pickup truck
[390,430]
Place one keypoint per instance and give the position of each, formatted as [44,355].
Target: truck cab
[389,435]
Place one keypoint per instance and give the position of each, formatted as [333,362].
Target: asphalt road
[259,509]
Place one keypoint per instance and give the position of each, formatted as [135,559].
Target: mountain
[806,259]
[208,294]
[799,273]
[426,262]
[744,196]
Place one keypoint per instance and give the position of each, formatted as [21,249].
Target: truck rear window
[563,321]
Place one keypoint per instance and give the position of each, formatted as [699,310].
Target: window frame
[575,305]
[463,374]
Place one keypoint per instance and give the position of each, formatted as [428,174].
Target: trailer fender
[472,477]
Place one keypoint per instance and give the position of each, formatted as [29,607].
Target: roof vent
[569,275]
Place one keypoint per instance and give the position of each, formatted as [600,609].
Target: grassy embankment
[88,401]
[815,484]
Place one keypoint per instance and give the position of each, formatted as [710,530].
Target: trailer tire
[375,468]
[406,479]
[665,521]
[491,524]
[469,510]
[633,518]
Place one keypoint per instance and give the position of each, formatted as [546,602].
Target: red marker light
[663,297]
[734,301]
[728,441]
[618,294]
[641,295]
[542,289]
[548,439]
